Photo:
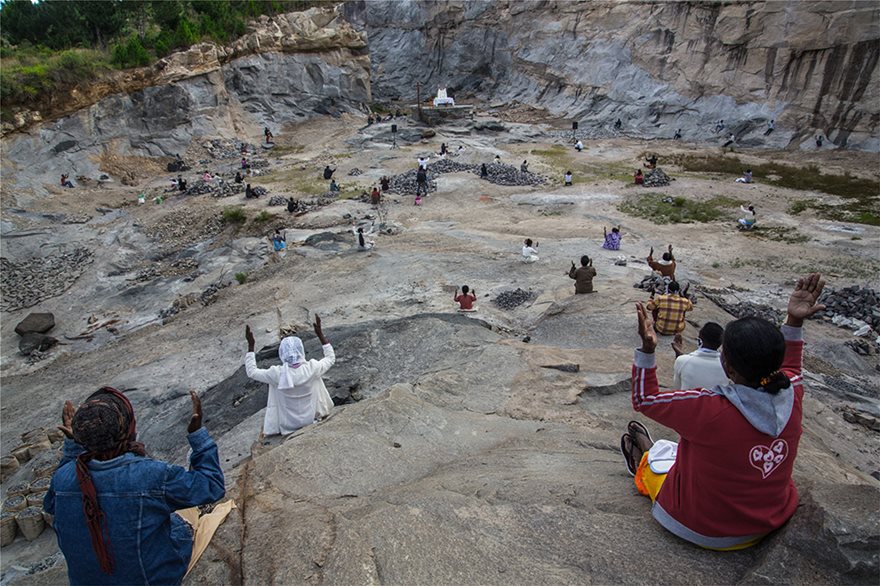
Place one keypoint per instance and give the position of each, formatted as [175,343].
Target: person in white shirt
[747,222]
[702,368]
[423,163]
[297,395]
[529,254]
[579,146]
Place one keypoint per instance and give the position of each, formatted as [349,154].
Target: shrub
[234,215]
[264,216]
[130,53]
[241,278]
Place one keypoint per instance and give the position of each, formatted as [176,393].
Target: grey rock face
[666,66]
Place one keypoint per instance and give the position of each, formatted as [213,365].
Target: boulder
[32,342]
[39,323]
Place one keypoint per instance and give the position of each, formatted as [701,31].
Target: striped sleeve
[685,411]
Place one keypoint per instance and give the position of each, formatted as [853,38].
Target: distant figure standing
[819,139]
[719,127]
[677,135]
[524,168]
[612,241]
[639,178]
[418,200]
[268,134]
[484,171]
[244,163]
[583,277]
[363,243]
[567,178]
[466,299]
[529,253]
[443,148]
[423,163]
[328,172]
[746,178]
[421,181]
[65,182]
[771,126]
[730,140]
[579,146]
[375,196]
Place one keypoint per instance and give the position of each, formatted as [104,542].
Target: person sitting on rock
[363,243]
[206,177]
[297,394]
[375,196]
[669,310]
[65,182]
[239,178]
[748,221]
[651,162]
[567,179]
[524,168]
[333,186]
[385,182]
[612,240]
[727,483]
[639,177]
[291,205]
[677,135]
[484,171]
[579,146]
[181,183]
[730,140]
[719,127]
[114,507]
[249,193]
[465,299]
[279,242]
[771,126]
[583,276]
[701,369]
[328,172]
[618,124]
[746,178]
[819,139]
[497,159]
[529,253]
[665,266]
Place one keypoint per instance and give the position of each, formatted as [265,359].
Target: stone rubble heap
[355,172]
[258,163]
[260,191]
[226,189]
[513,299]
[184,226]
[220,148]
[498,173]
[656,178]
[405,183]
[502,174]
[206,297]
[747,309]
[27,283]
[278,200]
[656,285]
[856,307]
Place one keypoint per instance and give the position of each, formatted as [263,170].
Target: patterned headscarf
[291,351]
[105,426]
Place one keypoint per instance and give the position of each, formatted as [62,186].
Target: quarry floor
[465,461]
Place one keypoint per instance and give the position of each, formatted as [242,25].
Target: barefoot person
[115,508]
[297,395]
[583,276]
[727,483]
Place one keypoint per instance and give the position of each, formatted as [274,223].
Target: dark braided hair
[105,426]
[754,348]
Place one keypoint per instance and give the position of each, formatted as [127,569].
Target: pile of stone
[178,166]
[854,307]
[226,189]
[498,173]
[450,166]
[27,283]
[260,191]
[220,148]
[513,299]
[258,163]
[200,187]
[206,297]
[656,178]
[278,200]
[406,184]
[183,227]
[747,309]
[502,174]
[32,330]
[355,172]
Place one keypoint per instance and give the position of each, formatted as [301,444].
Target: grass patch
[792,265]
[777,234]
[30,75]
[264,217]
[680,210]
[234,215]
[241,278]
[862,195]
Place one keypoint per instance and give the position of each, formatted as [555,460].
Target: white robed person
[297,395]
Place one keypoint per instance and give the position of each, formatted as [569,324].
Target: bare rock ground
[465,461]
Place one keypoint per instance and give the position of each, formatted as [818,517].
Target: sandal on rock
[636,429]
[626,449]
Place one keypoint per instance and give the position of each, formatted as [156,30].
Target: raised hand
[67,414]
[802,303]
[651,253]
[318,330]
[195,421]
[249,336]
[646,329]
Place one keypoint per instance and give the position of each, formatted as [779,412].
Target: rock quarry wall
[285,69]
[810,65]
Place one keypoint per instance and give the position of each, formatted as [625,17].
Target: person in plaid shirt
[669,311]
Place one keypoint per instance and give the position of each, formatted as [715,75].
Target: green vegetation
[862,195]
[795,265]
[53,46]
[264,217]
[241,278]
[234,215]
[777,233]
[680,211]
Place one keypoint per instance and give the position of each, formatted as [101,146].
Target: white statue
[442,99]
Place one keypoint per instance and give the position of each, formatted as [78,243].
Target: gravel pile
[513,299]
[258,163]
[227,189]
[405,183]
[278,200]
[220,148]
[206,297]
[746,309]
[656,178]
[502,174]
[183,227]
[355,172]
[858,304]
[499,173]
[260,191]
[200,188]
[34,280]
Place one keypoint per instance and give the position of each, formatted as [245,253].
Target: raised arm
[329,358]
[263,375]
[671,257]
[801,305]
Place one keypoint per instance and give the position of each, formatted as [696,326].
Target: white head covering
[291,351]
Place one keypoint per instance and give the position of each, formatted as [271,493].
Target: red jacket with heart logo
[731,482]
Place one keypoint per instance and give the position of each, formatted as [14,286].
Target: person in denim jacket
[114,506]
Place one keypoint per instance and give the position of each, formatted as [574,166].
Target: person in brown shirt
[583,277]
[666,266]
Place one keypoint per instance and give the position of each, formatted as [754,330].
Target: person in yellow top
[669,311]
